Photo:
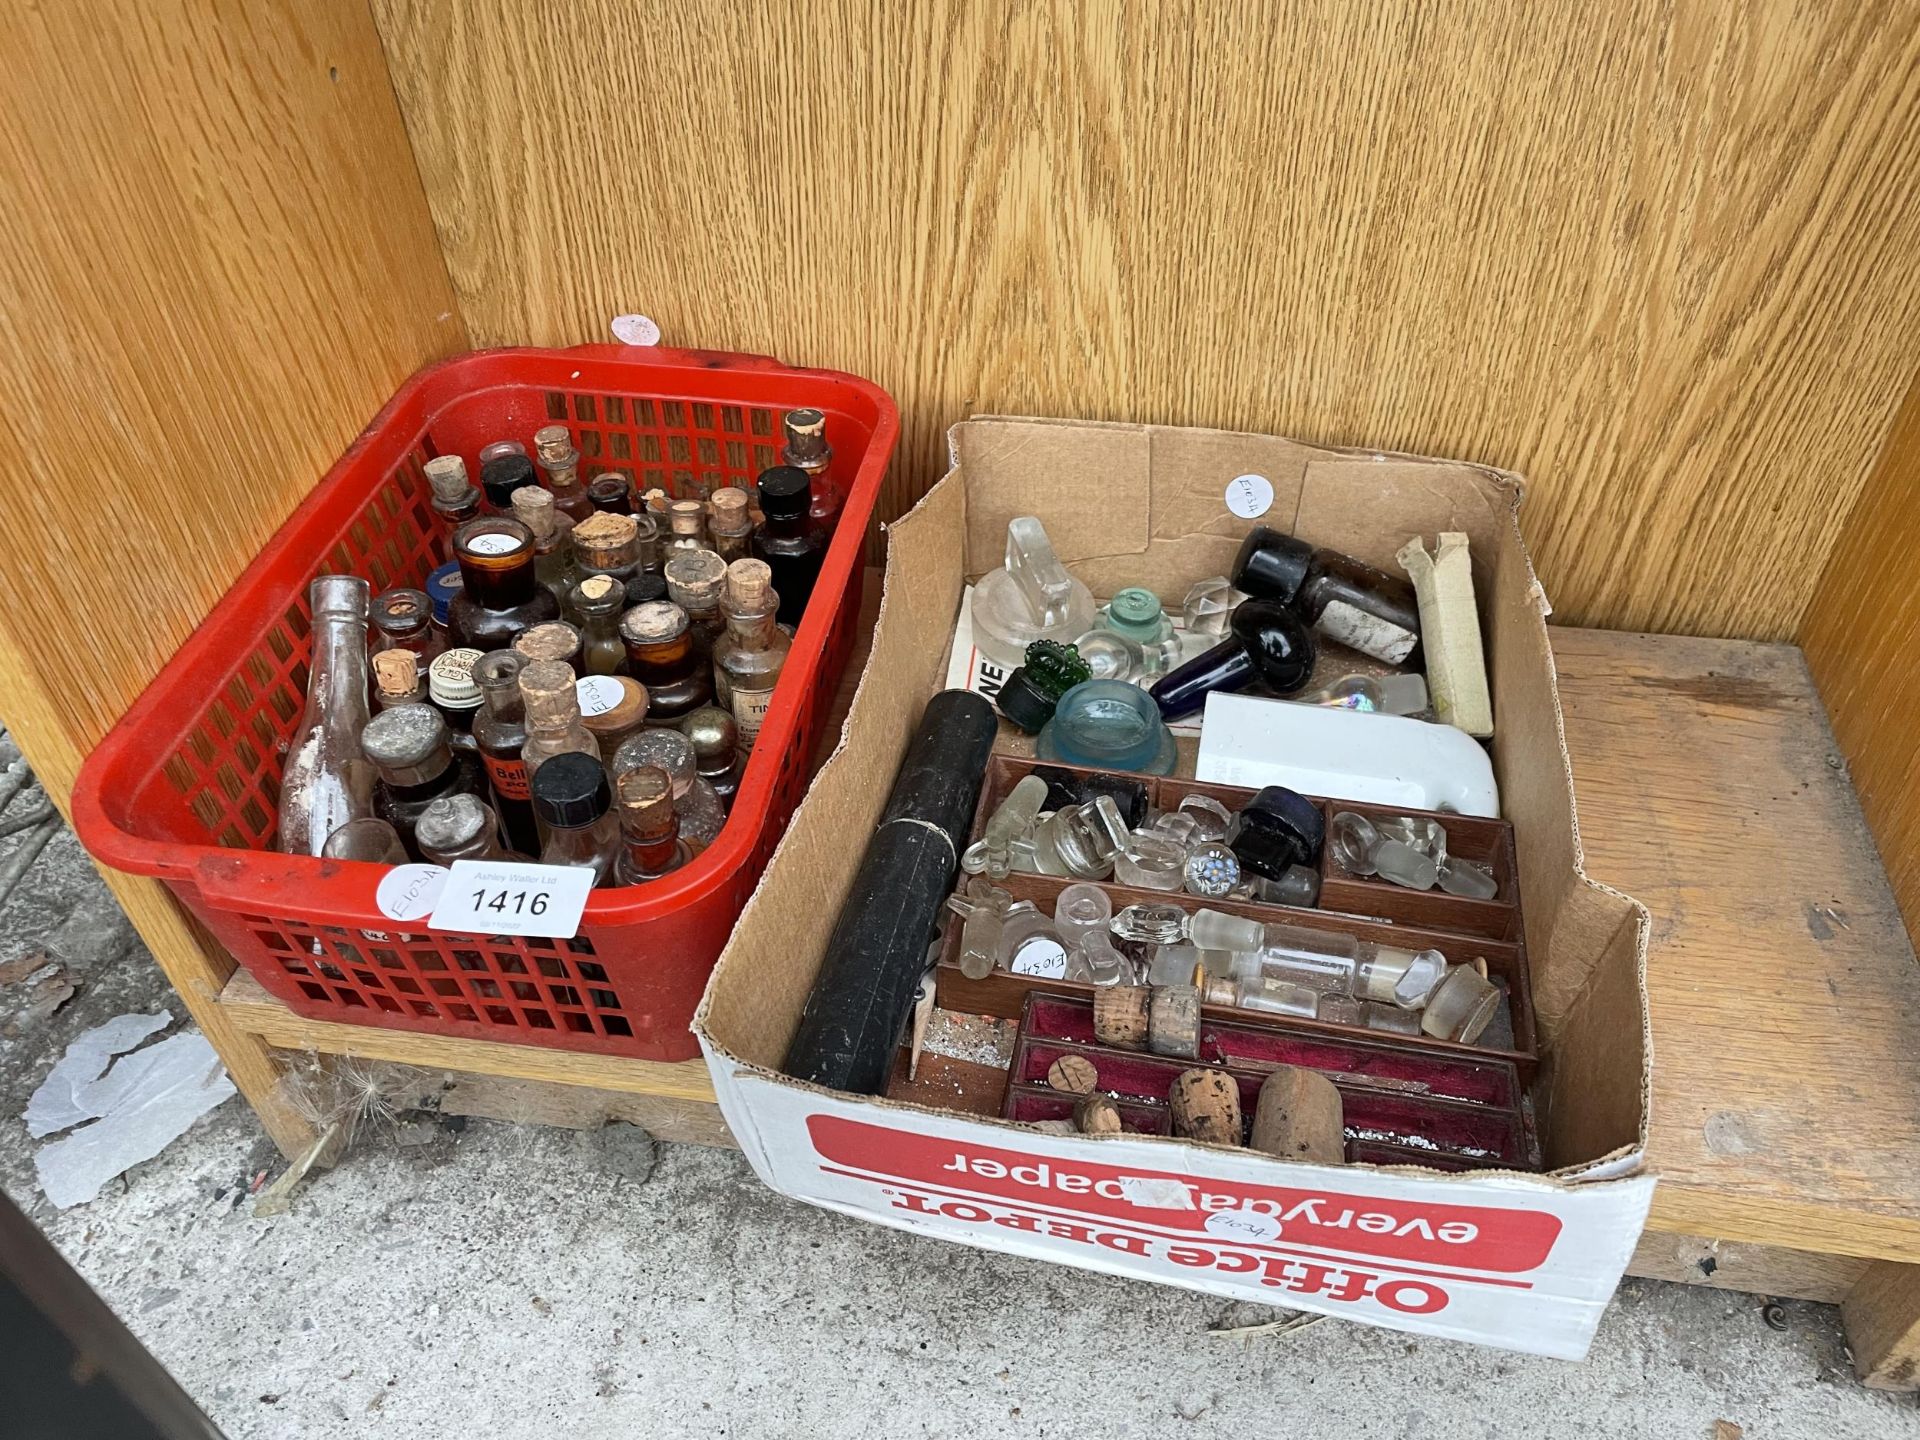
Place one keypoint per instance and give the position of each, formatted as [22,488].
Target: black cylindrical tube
[878,951]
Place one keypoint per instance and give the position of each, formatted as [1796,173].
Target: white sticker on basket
[598,694]
[493,542]
[1242,1224]
[635,330]
[406,892]
[1249,496]
[513,897]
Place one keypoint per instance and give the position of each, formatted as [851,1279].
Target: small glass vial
[500,594]
[553,447]
[455,500]
[454,693]
[790,542]
[409,746]
[611,493]
[612,707]
[661,655]
[551,640]
[715,737]
[649,828]
[695,580]
[729,526]
[687,527]
[500,735]
[575,807]
[458,827]
[552,538]
[371,841]
[1323,960]
[701,813]
[607,544]
[596,604]
[396,681]
[748,658]
[807,449]
[553,717]
[1263,994]
[403,620]
[501,475]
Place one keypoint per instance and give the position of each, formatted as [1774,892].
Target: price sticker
[508,897]
[1249,496]
[1041,957]
[1243,1224]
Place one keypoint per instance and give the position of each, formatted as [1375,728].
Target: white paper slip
[513,897]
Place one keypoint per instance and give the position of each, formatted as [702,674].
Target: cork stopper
[687,517]
[552,640]
[599,595]
[728,507]
[395,673]
[695,579]
[749,586]
[533,508]
[554,445]
[447,474]
[657,501]
[653,623]
[450,679]
[646,799]
[605,540]
[806,432]
[547,687]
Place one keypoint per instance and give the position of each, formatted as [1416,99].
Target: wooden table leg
[1882,1316]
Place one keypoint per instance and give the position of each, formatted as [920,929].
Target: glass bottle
[1267,644]
[1262,993]
[695,579]
[790,542]
[575,809]
[372,841]
[458,827]
[694,800]
[455,500]
[553,447]
[1322,960]
[501,475]
[749,656]
[552,538]
[649,828]
[661,656]
[1031,597]
[715,737]
[611,493]
[596,603]
[498,449]
[500,594]
[612,707]
[687,528]
[807,449]
[552,716]
[454,692]
[500,735]
[1343,600]
[396,681]
[729,526]
[549,640]
[409,746]
[403,620]
[607,544]
[1108,725]
[656,502]
[328,780]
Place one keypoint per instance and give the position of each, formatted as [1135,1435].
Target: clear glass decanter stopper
[1031,598]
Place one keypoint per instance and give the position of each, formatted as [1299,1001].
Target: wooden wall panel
[1658,256]
[216,262]
[1862,638]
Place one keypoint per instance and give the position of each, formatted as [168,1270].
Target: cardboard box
[1521,1261]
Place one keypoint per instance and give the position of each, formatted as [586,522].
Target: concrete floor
[507,1282]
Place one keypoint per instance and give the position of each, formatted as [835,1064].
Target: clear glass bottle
[396,681]
[409,747]
[553,447]
[695,580]
[549,640]
[403,620]
[687,527]
[458,827]
[500,735]
[748,658]
[552,538]
[374,842]
[575,808]
[807,449]
[500,594]
[790,542]
[607,544]
[454,692]
[729,526]
[1323,960]
[649,828]
[611,493]
[596,604]
[328,779]
[502,474]
[715,736]
[455,500]
[612,707]
[552,715]
[1264,994]
[694,800]
[661,655]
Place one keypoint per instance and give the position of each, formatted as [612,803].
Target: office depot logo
[1211,1211]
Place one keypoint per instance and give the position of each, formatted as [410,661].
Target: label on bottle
[509,778]
[513,897]
[1353,627]
[1042,957]
[750,712]
[494,542]
[598,694]
[1249,496]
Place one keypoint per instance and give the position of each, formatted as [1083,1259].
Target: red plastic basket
[186,786]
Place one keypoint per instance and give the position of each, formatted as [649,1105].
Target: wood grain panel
[216,263]
[1656,256]
[1861,642]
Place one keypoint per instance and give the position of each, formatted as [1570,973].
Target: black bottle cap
[571,790]
[785,492]
[505,474]
[1277,641]
[1271,565]
[1279,828]
[644,586]
[1025,703]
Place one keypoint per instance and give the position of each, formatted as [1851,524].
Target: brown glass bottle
[807,449]
[575,805]
[500,734]
[649,828]
[597,603]
[790,542]
[1342,599]
[455,500]
[553,447]
[611,493]
[500,595]
[403,620]
[409,746]
[662,656]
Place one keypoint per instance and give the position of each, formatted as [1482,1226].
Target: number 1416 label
[505,897]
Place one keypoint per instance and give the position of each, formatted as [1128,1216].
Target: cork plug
[547,687]
[806,432]
[653,623]
[729,508]
[656,501]
[603,538]
[1074,1074]
[598,587]
[694,579]
[687,517]
[749,586]
[447,474]
[395,672]
[533,508]
[549,640]
[1206,1106]
[646,799]
[1096,1114]
[1120,1016]
[1299,1116]
[554,446]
